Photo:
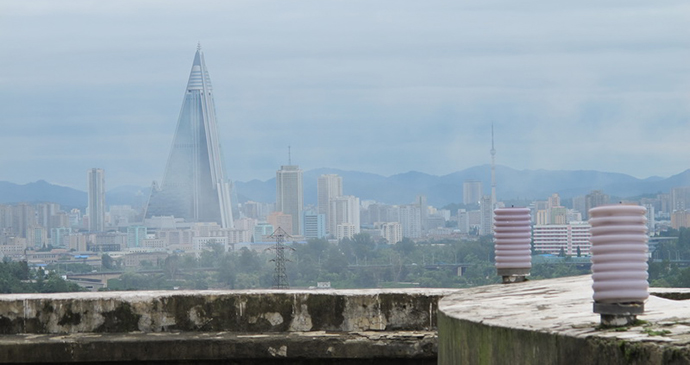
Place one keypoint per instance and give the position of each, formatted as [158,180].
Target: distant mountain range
[396,189]
[68,198]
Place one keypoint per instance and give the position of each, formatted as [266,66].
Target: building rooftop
[555,318]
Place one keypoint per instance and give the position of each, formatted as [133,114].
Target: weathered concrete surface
[551,322]
[178,326]
[205,346]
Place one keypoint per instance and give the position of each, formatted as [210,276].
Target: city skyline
[384,88]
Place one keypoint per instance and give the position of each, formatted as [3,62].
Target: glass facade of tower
[96,185]
[194,185]
[289,194]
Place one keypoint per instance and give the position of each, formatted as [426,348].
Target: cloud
[386,86]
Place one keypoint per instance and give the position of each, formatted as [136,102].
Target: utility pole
[280,278]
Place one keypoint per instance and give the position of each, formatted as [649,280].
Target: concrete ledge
[551,322]
[233,311]
[236,327]
[415,347]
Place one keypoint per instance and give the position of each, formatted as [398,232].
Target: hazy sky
[383,86]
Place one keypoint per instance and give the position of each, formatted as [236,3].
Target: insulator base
[513,275]
[619,308]
[618,314]
[617,320]
[513,279]
[513,272]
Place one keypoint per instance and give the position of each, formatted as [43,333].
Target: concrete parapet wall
[552,322]
[249,327]
[234,311]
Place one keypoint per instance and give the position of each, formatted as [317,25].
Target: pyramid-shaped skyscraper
[194,185]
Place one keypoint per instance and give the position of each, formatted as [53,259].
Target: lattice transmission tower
[280,278]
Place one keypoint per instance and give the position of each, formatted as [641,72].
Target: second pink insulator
[619,253]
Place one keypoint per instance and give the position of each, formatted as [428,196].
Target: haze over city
[383,87]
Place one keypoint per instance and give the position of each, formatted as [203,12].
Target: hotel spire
[194,186]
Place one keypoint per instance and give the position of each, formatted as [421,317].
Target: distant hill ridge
[396,189]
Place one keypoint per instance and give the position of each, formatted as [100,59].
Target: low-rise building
[553,238]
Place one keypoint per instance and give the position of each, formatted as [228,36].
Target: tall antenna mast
[493,169]
[289,156]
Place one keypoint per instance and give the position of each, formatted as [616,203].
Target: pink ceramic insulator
[512,241]
[619,253]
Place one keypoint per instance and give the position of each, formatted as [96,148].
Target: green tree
[227,271]
[405,247]
[107,262]
[249,261]
[171,266]
[336,262]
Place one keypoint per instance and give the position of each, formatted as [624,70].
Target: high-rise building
[463,221]
[580,204]
[96,208]
[194,186]
[680,218]
[281,220]
[487,216]
[680,198]
[6,214]
[60,220]
[423,211]
[59,237]
[135,235]
[256,210]
[410,219]
[328,187]
[313,224]
[665,203]
[345,210]
[36,236]
[23,217]
[290,195]
[554,200]
[261,230]
[391,232]
[471,192]
[651,223]
[594,199]
[44,214]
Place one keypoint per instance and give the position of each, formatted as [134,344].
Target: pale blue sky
[382,86]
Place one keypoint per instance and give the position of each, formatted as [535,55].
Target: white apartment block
[554,237]
[206,243]
[345,230]
[391,231]
[15,247]
[328,187]
[154,243]
[463,221]
[410,220]
[344,210]
[486,226]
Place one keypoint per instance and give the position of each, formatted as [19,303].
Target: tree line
[357,262]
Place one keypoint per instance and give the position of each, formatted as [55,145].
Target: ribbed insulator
[619,253]
[512,238]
